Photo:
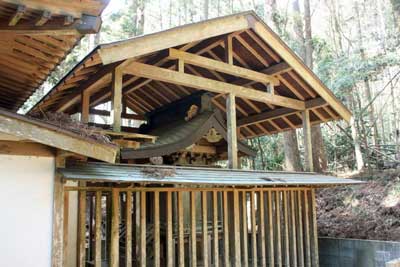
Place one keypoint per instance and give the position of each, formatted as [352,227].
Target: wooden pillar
[85,103]
[114,249]
[231,127]
[309,166]
[228,50]
[116,99]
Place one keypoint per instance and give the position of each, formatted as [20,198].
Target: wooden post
[193,235]
[170,242]
[307,141]
[157,229]
[143,228]
[128,236]
[81,229]
[85,104]
[314,231]
[231,127]
[228,50]
[181,240]
[204,220]
[116,99]
[58,212]
[114,249]
[215,229]
[226,229]
[97,246]
[245,229]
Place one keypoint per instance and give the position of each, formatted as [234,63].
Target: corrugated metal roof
[191,175]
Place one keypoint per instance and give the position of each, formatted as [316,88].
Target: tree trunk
[291,148]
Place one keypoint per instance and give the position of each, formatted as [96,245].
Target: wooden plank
[58,217]
[170,242]
[201,83]
[245,253]
[193,229]
[226,229]
[143,227]
[293,253]
[25,148]
[231,132]
[204,220]
[308,158]
[65,226]
[115,221]
[81,257]
[46,15]
[261,227]
[307,229]
[314,232]
[97,231]
[85,103]
[181,241]
[300,247]
[157,229]
[254,257]
[270,230]
[228,50]
[128,236]
[215,229]
[223,67]
[278,228]
[116,109]
[17,15]
[286,225]
[236,227]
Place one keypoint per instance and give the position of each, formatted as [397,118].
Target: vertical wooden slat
[226,230]
[156,229]
[82,229]
[143,229]
[65,226]
[307,141]
[286,225]
[271,230]
[278,228]
[170,243]
[204,220]
[293,230]
[193,225]
[137,227]
[231,131]
[58,214]
[307,229]
[245,252]
[253,228]
[228,50]
[215,229]
[97,231]
[128,236]
[261,228]
[181,241]
[236,226]
[114,250]
[300,250]
[314,232]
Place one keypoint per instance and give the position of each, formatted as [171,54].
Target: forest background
[352,45]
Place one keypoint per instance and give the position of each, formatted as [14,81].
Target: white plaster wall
[26,197]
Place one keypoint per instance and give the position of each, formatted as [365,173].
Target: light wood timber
[231,132]
[170,76]
[204,228]
[25,148]
[228,50]
[85,102]
[46,15]
[116,99]
[17,16]
[222,67]
[81,239]
[115,221]
[143,252]
[156,229]
[170,242]
[193,229]
[226,229]
[215,229]
[309,166]
[181,241]
[98,218]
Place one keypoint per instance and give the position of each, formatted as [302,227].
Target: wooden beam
[86,25]
[17,15]
[46,15]
[222,67]
[115,221]
[170,76]
[81,239]
[228,50]
[173,37]
[116,103]
[130,116]
[231,131]
[307,141]
[14,147]
[85,103]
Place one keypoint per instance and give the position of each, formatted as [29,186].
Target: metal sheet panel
[191,175]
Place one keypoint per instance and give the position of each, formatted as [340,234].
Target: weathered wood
[193,229]
[85,102]
[65,226]
[58,214]
[308,159]
[181,241]
[299,215]
[157,229]
[245,253]
[170,242]
[314,232]
[286,225]
[278,228]
[231,132]
[215,229]
[17,15]
[97,231]
[293,253]
[261,227]
[228,50]
[46,15]
[204,220]
[143,229]
[223,67]
[226,229]
[189,80]
[271,249]
[236,227]
[25,148]
[137,227]
[306,229]
[128,235]
[114,246]
[116,109]
[254,257]
[81,257]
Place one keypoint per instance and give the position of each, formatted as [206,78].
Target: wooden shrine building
[176,105]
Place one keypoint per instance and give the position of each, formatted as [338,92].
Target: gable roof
[180,135]
[256,47]
[44,133]
[35,36]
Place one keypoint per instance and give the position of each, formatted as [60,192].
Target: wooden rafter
[17,15]
[46,15]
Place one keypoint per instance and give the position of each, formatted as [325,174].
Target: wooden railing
[167,226]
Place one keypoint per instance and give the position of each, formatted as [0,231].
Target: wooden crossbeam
[46,15]
[17,15]
[170,76]
[222,67]
[123,115]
